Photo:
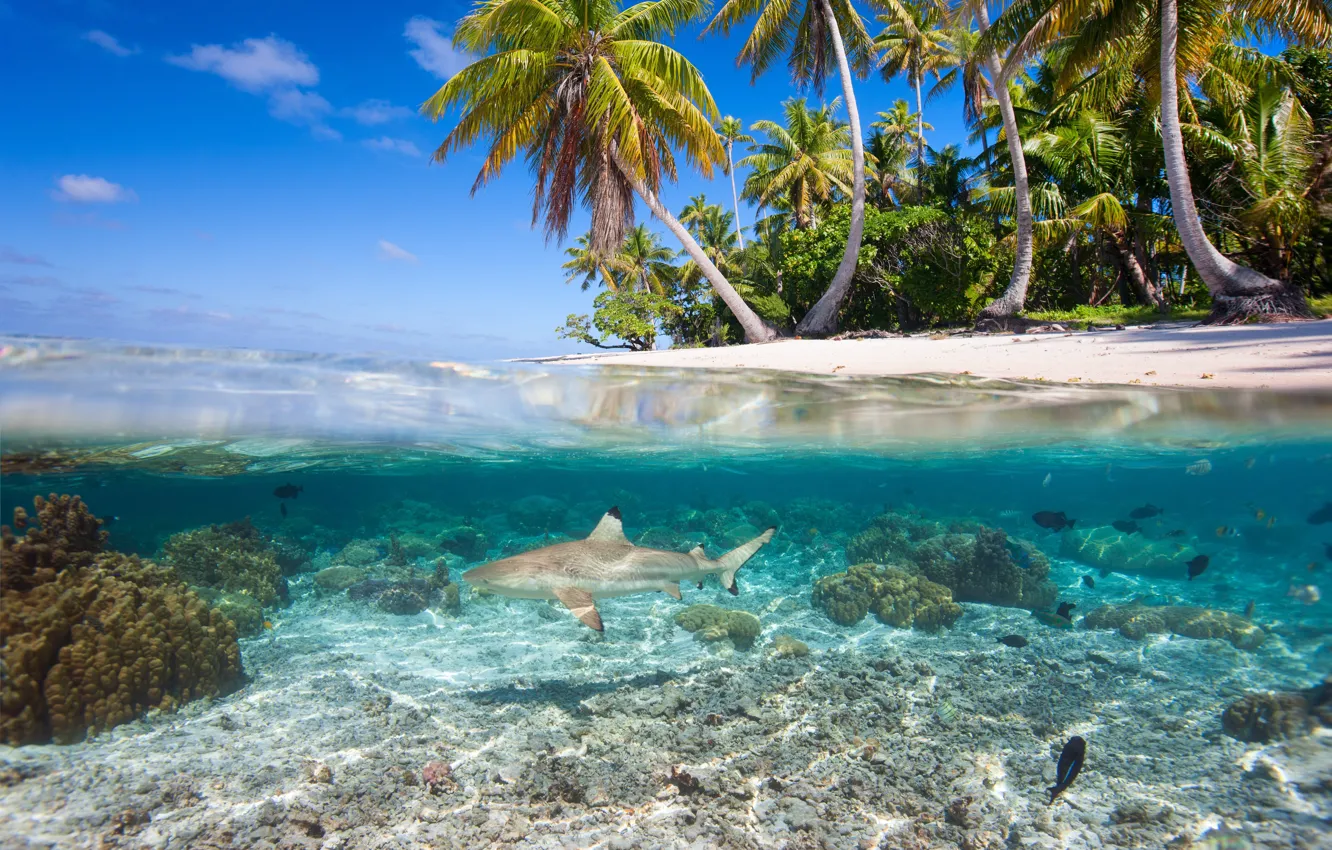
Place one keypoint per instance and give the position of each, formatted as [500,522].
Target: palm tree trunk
[1015,297]
[735,199]
[756,330]
[1238,292]
[920,146]
[822,317]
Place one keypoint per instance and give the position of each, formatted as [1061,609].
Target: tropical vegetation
[1127,158]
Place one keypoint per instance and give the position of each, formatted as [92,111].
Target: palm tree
[1095,32]
[948,177]
[731,131]
[693,213]
[913,45]
[965,63]
[642,258]
[804,161]
[895,135]
[586,263]
[598,104]
[817,35]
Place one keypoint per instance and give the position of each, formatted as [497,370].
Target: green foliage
[628,315]
[1311,68]
[1115,314]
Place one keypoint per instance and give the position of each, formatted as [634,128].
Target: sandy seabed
[555,737]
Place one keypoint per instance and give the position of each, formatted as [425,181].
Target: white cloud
[254,65]
[109,43]
[384,143]
[388,252]
[372,112]
[434,51]
[82,189]
[303,108]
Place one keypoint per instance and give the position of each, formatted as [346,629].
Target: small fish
[1248,609]
[282,506]
[1306,593]
[950,556]
[1020,555]
[1089,581]
[268,624]
[1321,516]
[1259,514]
[1200,467]
[1054,621]
[1312,567]
[1197,566]
[946,711]
[1271,521]
[1176,532]
[1046,481]
[1070,765]
[1052,520]
[1249,462]
[1015,641]
[1179,547]
[1227,531]
[1147,511]
[1126,526]
[1009,514]
[1065,610]
[288,491]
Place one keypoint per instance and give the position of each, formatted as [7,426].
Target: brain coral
[711,623]
[897,598]
[92,638]
[235,557]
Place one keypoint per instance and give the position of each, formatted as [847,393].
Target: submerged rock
[1263,717]
[785,646]
[1136,621]
[711,623]
[358,553]
[896,597]
[396,597]
[339,578]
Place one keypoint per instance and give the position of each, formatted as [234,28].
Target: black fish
[1124,525]
[288,491]
[1089,581]
[1147,511]
[1178,532]
[283,507]
[1248,609]
[1322,515]
[1070,765]
[1065,610]
[1054,521]
[1197,566]
[1016,641]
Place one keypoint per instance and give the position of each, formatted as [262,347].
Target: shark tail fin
[728,564]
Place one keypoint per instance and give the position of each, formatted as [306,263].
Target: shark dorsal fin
[610,529]
[698,551]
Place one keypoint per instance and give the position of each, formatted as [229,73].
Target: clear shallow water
[647,736]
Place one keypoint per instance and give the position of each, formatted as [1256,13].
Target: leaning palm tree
[807,160]
[914,45]
[731,131]
[598,104]
[587,264]
[1096,33]
[818,35]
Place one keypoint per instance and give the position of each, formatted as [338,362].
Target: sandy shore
[1286,356]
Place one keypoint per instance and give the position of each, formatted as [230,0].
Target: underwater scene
[288,601]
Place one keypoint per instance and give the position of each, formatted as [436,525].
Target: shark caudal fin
[728,564]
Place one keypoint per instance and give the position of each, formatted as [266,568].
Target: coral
[982,568]
[761,515]
[92,639]
[785,646]
[404,598]
[737,535]
[1113,550]
[358,553]
[658,537]
[291,556]
[1264,717]
[415,546]
[339,578]
[711,623]
[235,557]
[896,597]
[396,556]
[1135,621]
[466,541]
[890,538]
[243,611]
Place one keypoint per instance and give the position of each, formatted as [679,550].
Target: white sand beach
[1289,356]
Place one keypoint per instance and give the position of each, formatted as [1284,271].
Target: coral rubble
[1136,621]
[93,638]
[896,597]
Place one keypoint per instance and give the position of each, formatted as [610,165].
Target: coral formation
[243,611]
[1112,550]
[896,597]
[358,553]
[890,538]
[1135,621]
[466,541]
[785,646]
[982,568]
[93,638]
[339,578]
[711,623]
[235,557]
[411,596]
[1265,716]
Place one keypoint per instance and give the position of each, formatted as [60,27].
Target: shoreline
[1289,356]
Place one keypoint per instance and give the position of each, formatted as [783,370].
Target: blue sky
[255,174]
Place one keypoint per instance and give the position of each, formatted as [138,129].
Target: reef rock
[897,598]
[711,623]
[339,578]
[396,597]
[358,553]
[1109,549]
[1136,621]
[785,646]
[469,543]
[90,638]
[1266,716]
[235,557]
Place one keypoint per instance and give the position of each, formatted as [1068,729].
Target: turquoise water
[384,701]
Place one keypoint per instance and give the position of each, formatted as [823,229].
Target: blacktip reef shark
[580,572]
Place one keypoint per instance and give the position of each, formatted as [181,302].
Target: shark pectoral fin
[672,589]
[610,529]
[583,606]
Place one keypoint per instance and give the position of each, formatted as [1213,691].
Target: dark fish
[1020,555]
[1147,511]
[1248,609]
[283,507]
[1070,765]
[1178,532]
[1124,525]
[1322,515]
[1065,610]
[1054,621]
[1089,581]
[1197,566]
[1016,641]
[1055,520]
[288,491]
